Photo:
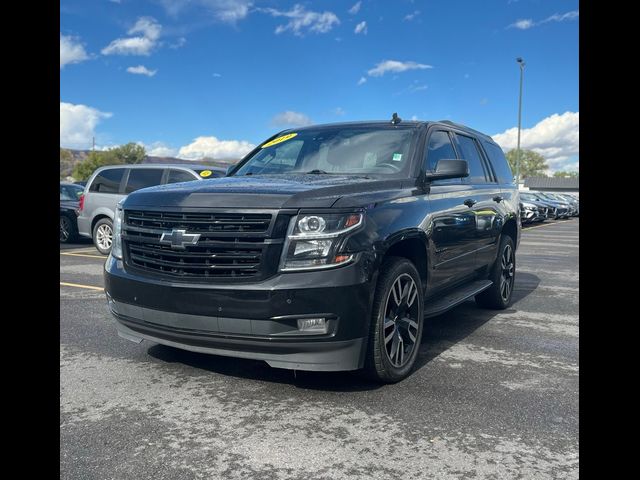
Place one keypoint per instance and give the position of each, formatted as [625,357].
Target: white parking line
[77,285]
[80,250]
[83,255]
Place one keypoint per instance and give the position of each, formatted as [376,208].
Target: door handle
[469,202]
[498,198]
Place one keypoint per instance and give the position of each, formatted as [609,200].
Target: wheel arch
[410,244]
[100,216]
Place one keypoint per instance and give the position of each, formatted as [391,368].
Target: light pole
[522,64]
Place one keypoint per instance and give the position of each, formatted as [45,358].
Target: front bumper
[255,321]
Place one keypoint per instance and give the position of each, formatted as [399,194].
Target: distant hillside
[69,158]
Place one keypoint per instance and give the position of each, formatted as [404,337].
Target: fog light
[312,325]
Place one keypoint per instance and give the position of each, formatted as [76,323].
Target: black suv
[325,248]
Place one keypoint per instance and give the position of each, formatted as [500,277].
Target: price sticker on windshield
[278,140]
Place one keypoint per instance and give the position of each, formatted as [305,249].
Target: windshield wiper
[317,171]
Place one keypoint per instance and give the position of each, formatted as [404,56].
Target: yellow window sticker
[278,140]
[205,173]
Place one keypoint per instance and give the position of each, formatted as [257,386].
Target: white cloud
[160,149]
[361,28]
[148,27]
[149,30]
[339,111]
[362,80]
[411,16]
[227,11]
[78,124]
[523,24]
[141,70]
[556,17]
[527,23]
[213,148]
[556,138]
[217,75]
[179,43]
[395,66]
[356,8]
[71,51]
[290,119]
[303,20]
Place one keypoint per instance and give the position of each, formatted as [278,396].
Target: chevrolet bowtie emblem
[179,239]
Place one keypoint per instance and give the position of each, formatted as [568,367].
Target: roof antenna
[395,119]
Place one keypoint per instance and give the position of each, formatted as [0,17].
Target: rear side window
[107,181]
[469,151]
[499,162]
[176,176]
[142,178]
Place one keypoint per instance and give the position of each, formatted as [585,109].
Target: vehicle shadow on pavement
[444,331]
[261,371]
[440,333]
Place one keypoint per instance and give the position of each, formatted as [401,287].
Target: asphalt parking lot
[494,395]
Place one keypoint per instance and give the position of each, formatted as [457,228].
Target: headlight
[116,248]
[313,239]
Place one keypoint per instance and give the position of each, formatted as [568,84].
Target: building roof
[553,182]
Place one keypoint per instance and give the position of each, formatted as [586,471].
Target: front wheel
[503,274]
[103,235]
[397,322]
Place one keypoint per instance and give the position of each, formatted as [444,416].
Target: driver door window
[440,148]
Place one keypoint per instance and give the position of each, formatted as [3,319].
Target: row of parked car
[88,208]
[540,206]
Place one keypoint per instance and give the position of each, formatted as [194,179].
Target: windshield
[353,150]
[528,197]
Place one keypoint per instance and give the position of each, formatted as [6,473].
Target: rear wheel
[68,232]
[397,321]
[503,274]
[103,235]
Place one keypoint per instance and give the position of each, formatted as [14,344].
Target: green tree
[532,164]
[125,154]
[66,163]
[566,174]
[129,153]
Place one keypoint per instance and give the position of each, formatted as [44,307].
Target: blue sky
[214,77]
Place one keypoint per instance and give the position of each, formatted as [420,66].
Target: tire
[68,229]
[393,360]
[494,297]
[103,235]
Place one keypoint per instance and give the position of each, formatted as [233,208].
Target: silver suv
[108,185]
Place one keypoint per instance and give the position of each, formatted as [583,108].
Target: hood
[272,191]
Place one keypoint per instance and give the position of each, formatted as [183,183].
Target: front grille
[232,246]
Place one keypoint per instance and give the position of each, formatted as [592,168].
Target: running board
[441,305]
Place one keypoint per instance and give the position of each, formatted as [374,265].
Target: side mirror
[449,168]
